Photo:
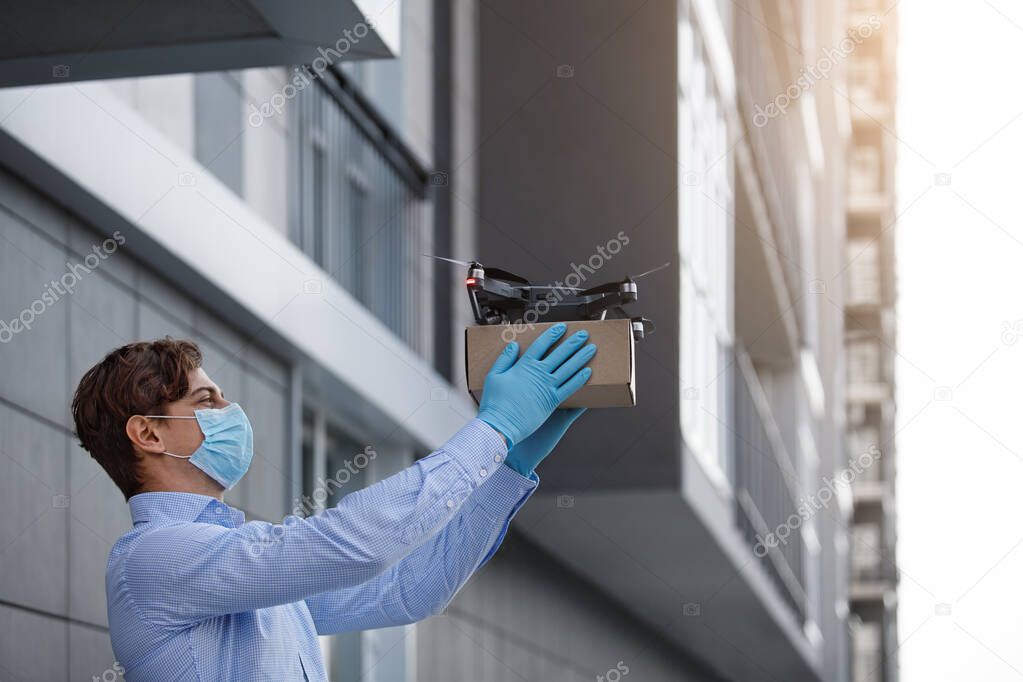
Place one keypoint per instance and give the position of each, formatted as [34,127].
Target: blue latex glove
[519,395]
[525,456]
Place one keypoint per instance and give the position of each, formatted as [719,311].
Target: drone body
[501,297]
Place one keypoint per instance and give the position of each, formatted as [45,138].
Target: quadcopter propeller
[450,260]
[648,272]
[495,273]
[615,286]
[568,288]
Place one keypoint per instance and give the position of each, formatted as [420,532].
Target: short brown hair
[139,378]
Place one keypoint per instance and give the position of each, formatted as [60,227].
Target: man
[195,592]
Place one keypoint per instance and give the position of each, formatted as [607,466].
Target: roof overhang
[47,41]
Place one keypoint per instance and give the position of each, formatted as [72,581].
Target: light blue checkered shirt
[196,593]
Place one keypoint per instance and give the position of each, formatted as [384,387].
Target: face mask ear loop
[178,456]
[169,416]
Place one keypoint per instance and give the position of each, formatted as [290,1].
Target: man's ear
[141,433]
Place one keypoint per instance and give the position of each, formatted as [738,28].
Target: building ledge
[869,113]
[868,393]
[95,155]
[872,493]
[716,604]
[868,204]
[880,592]
[60,42]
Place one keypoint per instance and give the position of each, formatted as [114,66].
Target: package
[612,384]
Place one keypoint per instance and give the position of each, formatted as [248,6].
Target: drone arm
[601,304]
[477,313]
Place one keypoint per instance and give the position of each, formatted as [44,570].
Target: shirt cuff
[479,450]
[501,499]
[506,491]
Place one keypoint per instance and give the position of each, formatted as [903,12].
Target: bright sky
[960,267]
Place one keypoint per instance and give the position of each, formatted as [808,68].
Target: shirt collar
[147,507]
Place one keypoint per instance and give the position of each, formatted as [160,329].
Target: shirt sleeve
[424,583]
[184,572]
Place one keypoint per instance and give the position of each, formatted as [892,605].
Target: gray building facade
[278,215]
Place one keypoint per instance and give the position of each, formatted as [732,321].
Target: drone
[501,297]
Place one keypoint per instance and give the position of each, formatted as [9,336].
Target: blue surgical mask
[226,452]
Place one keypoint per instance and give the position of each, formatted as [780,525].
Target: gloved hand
[525,456]
[518,396]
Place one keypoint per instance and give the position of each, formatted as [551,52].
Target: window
[864,75]
[705,205]
[335,463]
[866,653]
[865,170]
[866,551]
[319,207]
[863,357]
[362,212]
[359,236]
[863,440]
[328,455]
[864,273]
[218,126]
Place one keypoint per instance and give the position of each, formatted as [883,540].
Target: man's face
[183,436]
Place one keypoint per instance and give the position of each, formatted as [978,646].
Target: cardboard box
[612,384]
